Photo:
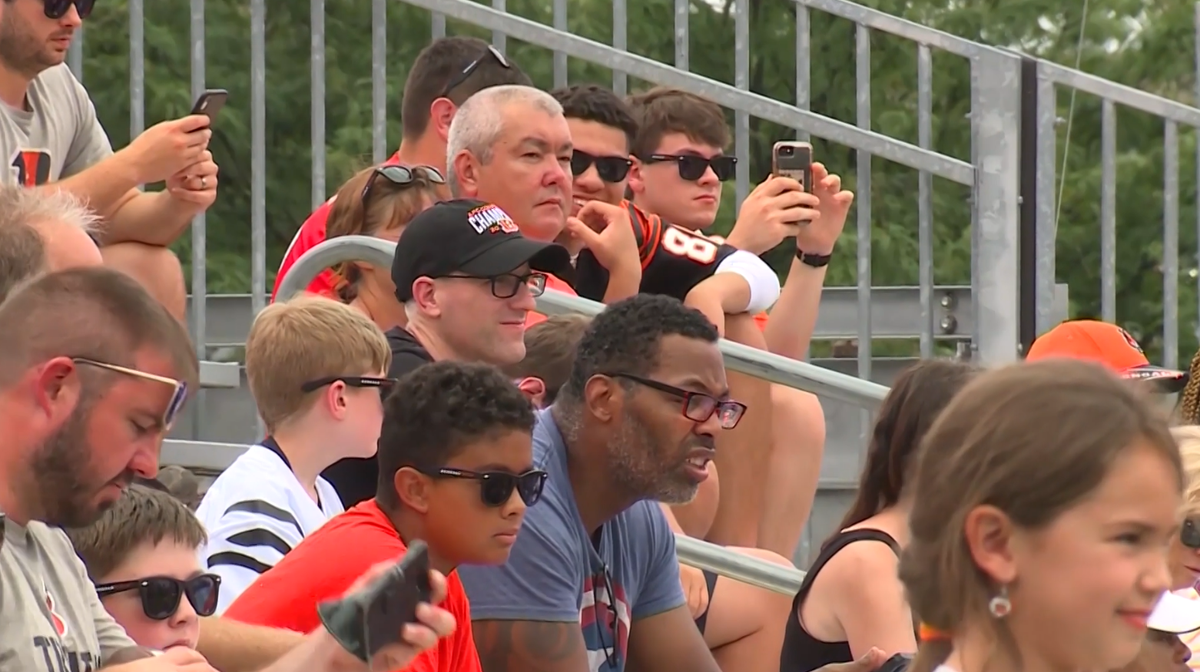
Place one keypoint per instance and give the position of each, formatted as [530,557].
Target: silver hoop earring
[1000,606]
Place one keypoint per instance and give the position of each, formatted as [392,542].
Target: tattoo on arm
[530,646]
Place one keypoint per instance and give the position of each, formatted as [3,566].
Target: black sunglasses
[496,487]
[1189,535]
[611,169]
[465,73]
[401,176]
[506,285]
[697,406]
[693,167]
[56,9]
[383,384]
[160,595]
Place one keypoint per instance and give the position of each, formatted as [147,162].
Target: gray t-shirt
[56,137]
[52,619]
[555,572]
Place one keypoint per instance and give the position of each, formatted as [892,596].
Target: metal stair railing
[738,357]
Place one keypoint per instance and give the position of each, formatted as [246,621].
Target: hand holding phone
[371,618]
[793,159]
[210,103]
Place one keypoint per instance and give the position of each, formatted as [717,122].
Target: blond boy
[317,370]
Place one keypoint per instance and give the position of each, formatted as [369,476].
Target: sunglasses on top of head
[402,176]
[383,384]
[178,397]
[160,595]
[491,53]
[496,487]
[611,169]
[692,167]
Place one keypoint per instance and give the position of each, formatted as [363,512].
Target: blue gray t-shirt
[556,574]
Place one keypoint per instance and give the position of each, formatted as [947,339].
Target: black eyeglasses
[693,167]
[611,169]
[401,176]
[56,9]
[496,487]
[697,406]
[465,73]
[606,612]
[383,384]
[160,595]
[506,285]
[1189,535]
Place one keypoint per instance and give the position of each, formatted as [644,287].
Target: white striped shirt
[255,513]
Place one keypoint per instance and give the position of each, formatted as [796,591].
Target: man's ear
[441,113]
[57,388]
[424,295]
[466,174]
[535,389]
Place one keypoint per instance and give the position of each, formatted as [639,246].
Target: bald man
[42,232]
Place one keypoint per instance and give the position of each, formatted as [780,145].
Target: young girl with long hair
[1044,501]
[851,599]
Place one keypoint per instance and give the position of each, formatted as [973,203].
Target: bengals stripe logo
[31,167]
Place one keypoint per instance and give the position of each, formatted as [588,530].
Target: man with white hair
[511,146]
[42,232]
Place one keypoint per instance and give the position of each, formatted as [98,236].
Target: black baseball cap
[473,238]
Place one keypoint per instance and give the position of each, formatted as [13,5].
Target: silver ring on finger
[203,182]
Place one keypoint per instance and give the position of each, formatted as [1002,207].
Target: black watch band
[814,260]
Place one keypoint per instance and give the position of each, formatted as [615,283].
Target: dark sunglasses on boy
[611,169]
[402,176]
[496,487]
[56,9]
[692,167]
[160,595]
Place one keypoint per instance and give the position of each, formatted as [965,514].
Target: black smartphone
[793,159]
[210,103]
[394,598]
[897,663]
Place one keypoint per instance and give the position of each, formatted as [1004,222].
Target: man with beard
[92,373]
[51,138]
[593,582]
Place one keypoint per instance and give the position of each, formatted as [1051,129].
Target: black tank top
[801,651]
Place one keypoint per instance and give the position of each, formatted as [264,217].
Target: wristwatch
[814,260]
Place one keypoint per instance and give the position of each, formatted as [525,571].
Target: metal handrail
[738,357]
[738,566]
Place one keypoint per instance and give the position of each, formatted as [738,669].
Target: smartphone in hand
[210,103]
[793,159]
[394,599]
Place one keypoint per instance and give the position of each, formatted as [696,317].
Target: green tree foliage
[1135,42]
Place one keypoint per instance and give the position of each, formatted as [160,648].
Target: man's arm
[526,611]
[668,642]
[231,646]
[530,646]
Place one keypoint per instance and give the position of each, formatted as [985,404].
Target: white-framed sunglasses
[178,397]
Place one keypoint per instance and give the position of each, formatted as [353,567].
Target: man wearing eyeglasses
[446,73]
[92,374]
[50,138]
[593,581]
[468,279]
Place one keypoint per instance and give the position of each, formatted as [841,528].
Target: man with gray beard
[93,371]
[593,580]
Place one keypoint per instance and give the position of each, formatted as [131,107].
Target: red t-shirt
[311,234]
[327,563]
